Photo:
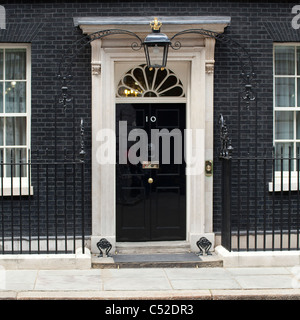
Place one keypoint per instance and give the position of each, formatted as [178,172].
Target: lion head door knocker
[204,245]
[102,245]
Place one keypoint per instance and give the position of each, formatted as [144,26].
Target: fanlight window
[141,82]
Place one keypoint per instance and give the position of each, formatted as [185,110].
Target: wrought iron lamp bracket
[242,54]
[67,60]
[65,65]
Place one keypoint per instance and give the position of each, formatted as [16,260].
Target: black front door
[150,194]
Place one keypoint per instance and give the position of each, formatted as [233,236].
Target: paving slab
[151,273]
[19,286]
[198,273]
[145,284]
[75,272]
[16,276]
[68,280]
[16,280]
[258,271]
[265,281]
[165,283]
[203,284]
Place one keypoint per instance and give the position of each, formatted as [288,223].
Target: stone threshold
[159,260]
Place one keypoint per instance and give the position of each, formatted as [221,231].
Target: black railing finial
[82,147]
[226,147]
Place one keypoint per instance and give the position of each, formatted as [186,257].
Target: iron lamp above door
[156,46]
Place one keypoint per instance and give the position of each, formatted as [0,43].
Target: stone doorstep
[188,260]
[170,247]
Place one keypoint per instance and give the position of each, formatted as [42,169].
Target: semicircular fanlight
[141,82]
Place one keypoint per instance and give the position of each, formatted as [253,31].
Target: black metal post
[226,215]
[298,197]
[38,202]
[265,203]
[82,160]
[29,201]
[225,156]
[12,198]
[47,201]
[2,198]
[20,200]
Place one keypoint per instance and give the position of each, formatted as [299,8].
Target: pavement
[280,283]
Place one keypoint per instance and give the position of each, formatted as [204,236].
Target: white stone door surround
[197,53]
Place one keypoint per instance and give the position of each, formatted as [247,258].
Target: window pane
[1,131]
[160,76]
[133,89]
[284,150]
[298,151]
[1,161]
[125,92]
[284,60]
[298,92]
[16,131]
[285,92]
[16,157]
[1,64]
[150,76]
[1,97]
[298,125]
[15,64]
[284,128]
[139,75]
[15,97]
[174,92]
[298,60]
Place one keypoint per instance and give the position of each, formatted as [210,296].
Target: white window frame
[285,180]
[15,182]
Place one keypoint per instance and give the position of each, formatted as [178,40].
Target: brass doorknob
[150,180]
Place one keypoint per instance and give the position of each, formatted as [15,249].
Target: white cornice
[140,25]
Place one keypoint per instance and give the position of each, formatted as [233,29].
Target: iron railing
[43,208]
[261,202]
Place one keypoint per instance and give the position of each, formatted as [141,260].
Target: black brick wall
[48,26]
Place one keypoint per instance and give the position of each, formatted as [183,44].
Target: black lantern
[156,46]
